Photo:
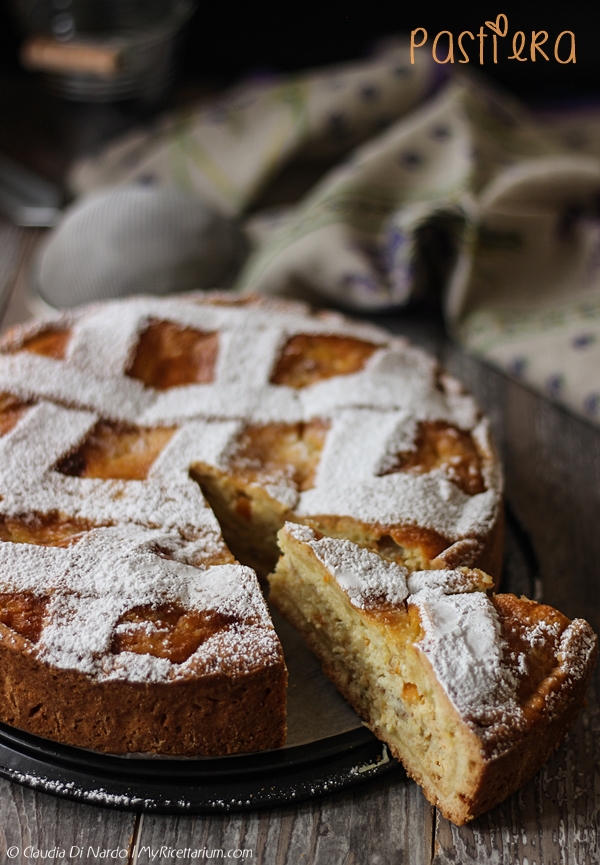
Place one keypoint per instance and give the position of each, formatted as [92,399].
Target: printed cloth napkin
[446,185]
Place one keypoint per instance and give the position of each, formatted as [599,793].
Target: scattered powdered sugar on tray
[222,795]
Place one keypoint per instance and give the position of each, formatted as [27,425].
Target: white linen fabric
[446,184]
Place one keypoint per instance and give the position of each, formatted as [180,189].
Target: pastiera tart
[147,446]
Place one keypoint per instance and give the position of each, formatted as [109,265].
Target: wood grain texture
[552,467]
[14,243]
[384,822]
[16,308]
[42,822]
[553,819]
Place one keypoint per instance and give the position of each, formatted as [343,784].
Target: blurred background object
[27,199]
[223,43]
[371,225]
[136,239]
[102,50]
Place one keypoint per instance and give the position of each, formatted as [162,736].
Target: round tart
[150,452]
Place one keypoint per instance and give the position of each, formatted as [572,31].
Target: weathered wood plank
[386,822]
[553,819]
[15,308]
[552,466]
[29,819]
[13,246]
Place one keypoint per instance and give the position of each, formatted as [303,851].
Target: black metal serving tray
[193,786]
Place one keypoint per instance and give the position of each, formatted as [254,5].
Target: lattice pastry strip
[90,586]
[30,485]
[127,428]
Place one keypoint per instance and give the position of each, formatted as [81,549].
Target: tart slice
[472,692]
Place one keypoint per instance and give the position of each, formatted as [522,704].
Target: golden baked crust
[473,693]
[120,420]
[141,652]
[210,714]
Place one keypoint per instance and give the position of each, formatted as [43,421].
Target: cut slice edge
[251,514]
[422,659]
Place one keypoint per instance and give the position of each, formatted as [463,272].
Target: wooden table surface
[552,465]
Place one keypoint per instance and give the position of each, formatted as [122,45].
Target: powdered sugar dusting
[463,643]
[44,434]
[112,570]
[348,481]
[448,582]
[461,634]
[116,566]
[367,579]
[99,348]
[373,413]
